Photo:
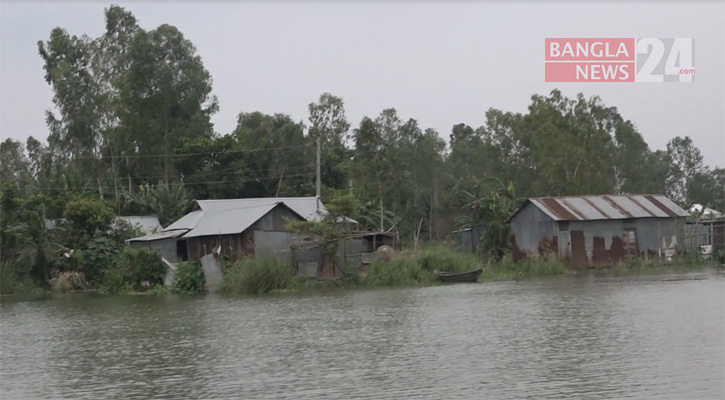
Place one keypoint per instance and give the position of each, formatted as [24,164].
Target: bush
[258,275]
[11,283]
[351,277]
[401,270]
[88,217]
[189,278]
[443,258]
[131,270]
[117,279]
[720,257]
[67,281]
[99,254]
[146,266]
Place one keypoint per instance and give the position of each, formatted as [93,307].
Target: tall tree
[685,165]
[329,124]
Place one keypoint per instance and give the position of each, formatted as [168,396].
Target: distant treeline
[133,131]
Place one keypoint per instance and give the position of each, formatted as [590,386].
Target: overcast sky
[440,63]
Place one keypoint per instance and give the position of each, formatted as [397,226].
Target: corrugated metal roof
[232,216]
[229,221]
[187,222]
[159,236]
[306,207]
[583,208]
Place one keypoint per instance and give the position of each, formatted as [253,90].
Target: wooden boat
[455,277]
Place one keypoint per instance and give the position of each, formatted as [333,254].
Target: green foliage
[400,271]
[507,269]
[189,278]
[720,256]
[489,211]
[329,124]
[351,277]
[168,203]
[13,283]
[128,270]
[123,231]
[88,217]
[146,266]
[327,237]
[443,258]
[118,279]
[250,275]
[110,91]
[99,253]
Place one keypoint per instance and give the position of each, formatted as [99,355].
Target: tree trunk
[166,151]
[382,211]
[128,165]
[279,184]
[100,188]
[115,184]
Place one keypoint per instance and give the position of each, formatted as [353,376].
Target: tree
[488,210]
[88,218]
[329,124]
[14,165]
[570,146]
[685,165]
[125,100]
[279,159]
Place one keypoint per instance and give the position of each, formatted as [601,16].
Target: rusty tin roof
[585,208]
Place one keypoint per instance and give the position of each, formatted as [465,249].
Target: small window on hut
[563,226]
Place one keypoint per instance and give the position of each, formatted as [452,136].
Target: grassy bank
[140,271]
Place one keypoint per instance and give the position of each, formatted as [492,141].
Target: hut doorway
[629,242]
[182,250]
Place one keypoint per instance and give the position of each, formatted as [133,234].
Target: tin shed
[596,231]
[244,230]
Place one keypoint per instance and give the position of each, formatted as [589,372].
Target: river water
[658,336]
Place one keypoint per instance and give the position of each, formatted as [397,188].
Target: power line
[173,155]
[234,181]
[238,169]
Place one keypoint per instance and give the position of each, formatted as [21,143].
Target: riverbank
[405,269]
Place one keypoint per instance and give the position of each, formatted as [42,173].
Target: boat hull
[460,277]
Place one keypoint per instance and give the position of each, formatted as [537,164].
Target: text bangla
[584,49]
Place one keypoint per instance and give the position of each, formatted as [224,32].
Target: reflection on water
[560,338]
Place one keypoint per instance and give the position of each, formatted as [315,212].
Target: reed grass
[258,275]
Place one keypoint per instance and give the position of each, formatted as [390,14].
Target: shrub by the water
[401,270]
[117,278]
[720,257]
[419,268]
[133,270]
[11,283]
[98,254]
[443,258]
[258,275]
[146,266]
[529,266]
[67,281]
[189,278]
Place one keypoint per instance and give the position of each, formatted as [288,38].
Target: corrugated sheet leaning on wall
[597,230]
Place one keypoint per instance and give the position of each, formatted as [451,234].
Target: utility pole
[319,181]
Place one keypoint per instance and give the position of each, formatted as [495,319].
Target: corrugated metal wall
[531,230]
[467,239]
[594,243]
[166,247]
[273,243]
[705,233]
